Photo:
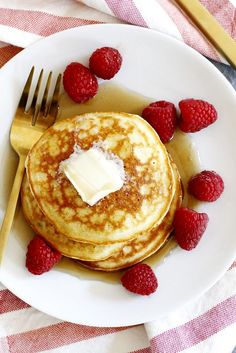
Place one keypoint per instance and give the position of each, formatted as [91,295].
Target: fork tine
[34,107]
[45,94]
[26,89]
[52,106]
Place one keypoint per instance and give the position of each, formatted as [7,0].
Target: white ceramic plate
[157,66]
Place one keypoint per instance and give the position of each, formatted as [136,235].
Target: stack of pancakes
[124,227]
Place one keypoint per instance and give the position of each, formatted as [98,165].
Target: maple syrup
[110,98]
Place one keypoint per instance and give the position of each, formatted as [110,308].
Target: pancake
[147,243]
[67,247]
[141,203]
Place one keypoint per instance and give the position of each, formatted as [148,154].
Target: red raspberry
[105,62]
[79,83]
[196,115]
[163,118]
[206,186]
[189,227]
[140,279]
[40,256]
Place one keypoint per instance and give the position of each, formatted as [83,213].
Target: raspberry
[163,118]
[40,256]
[105,62]
[140,279]
[206,186]
[196,115]
[79,83]
[189,227]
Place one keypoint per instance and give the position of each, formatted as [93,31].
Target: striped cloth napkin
[207,325]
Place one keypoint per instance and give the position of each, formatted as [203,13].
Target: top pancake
[144,198]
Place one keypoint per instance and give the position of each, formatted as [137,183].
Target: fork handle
[11,207]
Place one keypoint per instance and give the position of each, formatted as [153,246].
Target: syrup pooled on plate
[112,97]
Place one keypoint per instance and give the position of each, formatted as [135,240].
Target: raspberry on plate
[196,115]
[105,62]
[40,257]
[162,117]
[189,227]
[79,83]
[140,279]
[206,186]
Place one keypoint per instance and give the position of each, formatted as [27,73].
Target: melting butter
[93,174]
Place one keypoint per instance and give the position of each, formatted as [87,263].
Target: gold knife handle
[211,28]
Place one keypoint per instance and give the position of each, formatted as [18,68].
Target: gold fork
[27,127]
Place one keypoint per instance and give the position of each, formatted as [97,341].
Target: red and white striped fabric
[206,326]
[23,22]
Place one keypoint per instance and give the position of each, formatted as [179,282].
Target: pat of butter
[93,175]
